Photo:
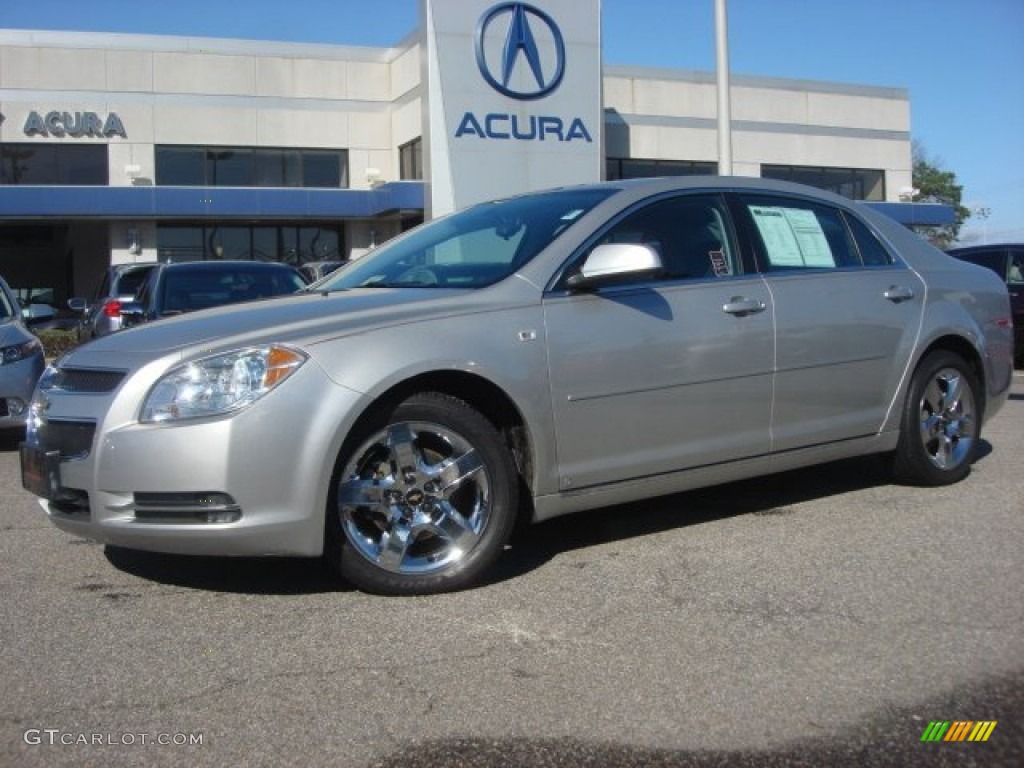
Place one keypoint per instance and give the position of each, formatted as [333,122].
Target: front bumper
[252,483]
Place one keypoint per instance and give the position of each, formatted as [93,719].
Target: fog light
[16,407]
[226,516]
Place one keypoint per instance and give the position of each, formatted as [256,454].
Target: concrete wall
[672,115]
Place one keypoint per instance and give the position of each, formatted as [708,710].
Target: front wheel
[941,422]
[426,499]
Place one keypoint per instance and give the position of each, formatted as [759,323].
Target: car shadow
[240,575]
[762,496]
[534,545]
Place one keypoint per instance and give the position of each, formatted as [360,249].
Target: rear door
[847,315]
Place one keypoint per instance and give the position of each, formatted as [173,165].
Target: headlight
[220,384]
[16,352]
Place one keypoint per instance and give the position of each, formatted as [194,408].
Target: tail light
[112,308]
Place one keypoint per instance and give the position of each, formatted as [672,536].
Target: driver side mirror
[611,262]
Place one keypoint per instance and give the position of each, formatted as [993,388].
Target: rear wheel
[426,499]
[941,422]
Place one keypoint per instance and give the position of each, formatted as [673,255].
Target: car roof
[228,264]
[985,247]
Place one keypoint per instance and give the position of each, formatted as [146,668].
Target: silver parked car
[533,356]
[118,287]
[21,361]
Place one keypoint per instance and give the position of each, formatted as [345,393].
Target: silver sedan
[21,362]
[522,359]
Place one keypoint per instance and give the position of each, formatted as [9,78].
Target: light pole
[722,70]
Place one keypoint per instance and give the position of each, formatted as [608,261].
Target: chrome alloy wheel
[948,419]
[415,498]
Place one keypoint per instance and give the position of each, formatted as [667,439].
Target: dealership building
[118,148]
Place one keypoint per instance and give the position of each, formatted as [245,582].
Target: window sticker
[719,264]
[793,237]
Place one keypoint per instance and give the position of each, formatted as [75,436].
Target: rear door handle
[741,306]
[898,293]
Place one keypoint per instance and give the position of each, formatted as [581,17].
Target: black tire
[941,422]
[424,500]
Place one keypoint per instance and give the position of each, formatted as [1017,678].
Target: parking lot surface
[820,617]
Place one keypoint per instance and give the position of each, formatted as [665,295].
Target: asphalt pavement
[820,617]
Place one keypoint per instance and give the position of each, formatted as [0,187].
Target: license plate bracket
[40,471]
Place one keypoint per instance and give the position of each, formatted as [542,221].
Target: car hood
[305,318]
[12,332]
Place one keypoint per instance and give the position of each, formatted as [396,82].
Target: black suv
[171,289]
[1007,261]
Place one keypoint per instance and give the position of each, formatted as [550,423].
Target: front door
[669,373]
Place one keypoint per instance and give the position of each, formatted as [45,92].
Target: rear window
[994,260]
[129,282]
[186,290]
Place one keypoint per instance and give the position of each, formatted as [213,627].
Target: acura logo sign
[518,68]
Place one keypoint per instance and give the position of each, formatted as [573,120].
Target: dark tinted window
[229,167]
[186,290]
[994,260]
[128,283]
[854,183]
[180,167]
[52,164]
[323,169]
[291,244]
[689,234]
[639,168]
[410,160]
[1016,273]
[250,167]
[872,252]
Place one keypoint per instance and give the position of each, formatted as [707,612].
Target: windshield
[6,310]
[470,249]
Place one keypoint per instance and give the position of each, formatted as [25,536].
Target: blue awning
[917,214]
[157,203]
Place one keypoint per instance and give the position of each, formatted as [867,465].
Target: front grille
[86,380]
[72,438]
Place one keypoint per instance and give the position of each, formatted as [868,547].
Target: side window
[797,234]
[1016,273]
[688,232]
[994,260]
[872,252]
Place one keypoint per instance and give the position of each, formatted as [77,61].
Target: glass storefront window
[853,183]
[53,164]
[322,169]
[639,168]
[289,243]
[179,243]
[410,160]
[180,167]
[251,167]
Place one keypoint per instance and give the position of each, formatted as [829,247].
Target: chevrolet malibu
[526,358]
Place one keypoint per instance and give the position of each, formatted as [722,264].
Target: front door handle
[898,293]
[740,306]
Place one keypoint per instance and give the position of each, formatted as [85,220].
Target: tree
[933,184]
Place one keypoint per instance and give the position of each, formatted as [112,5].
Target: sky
[962,61]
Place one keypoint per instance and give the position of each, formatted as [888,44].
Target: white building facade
[118,148]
